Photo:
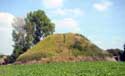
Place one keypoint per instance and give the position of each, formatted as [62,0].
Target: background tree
[18,35]
[38,26]
[123,55]
[115,52]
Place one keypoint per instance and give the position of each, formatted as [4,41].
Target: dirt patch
[66,59]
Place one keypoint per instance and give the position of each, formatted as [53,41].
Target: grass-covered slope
[62,45]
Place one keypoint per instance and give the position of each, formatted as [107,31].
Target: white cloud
[103,6]
[67,25]
[5,21]
[6,18]
[5,32]
[52,3]
[67,12]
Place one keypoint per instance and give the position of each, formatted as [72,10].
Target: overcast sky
[101,21]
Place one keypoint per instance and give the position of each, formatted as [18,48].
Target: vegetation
[28,32]
[18,38]
[38,26]
[62,45]
[65,69]
[117,53]
[123,55]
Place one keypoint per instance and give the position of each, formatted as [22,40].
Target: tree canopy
[38,26]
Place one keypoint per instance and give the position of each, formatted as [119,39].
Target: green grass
[65,69]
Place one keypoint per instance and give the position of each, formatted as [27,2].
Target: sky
[101,21]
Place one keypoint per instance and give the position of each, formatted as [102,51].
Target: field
[65,69]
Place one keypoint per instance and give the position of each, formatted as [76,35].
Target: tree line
[118,54]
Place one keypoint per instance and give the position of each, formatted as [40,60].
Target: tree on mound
[38,26]
[29,31]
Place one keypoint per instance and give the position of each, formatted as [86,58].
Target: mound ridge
[62,45]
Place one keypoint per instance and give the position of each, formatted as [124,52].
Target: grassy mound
[62,45]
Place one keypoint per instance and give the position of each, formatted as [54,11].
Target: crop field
[65,69]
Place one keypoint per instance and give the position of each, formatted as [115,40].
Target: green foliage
[77,45]
[65,69]
[38,25]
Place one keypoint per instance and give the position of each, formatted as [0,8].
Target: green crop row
[65,69]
